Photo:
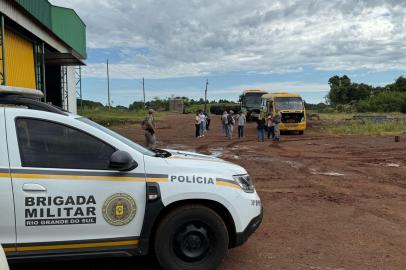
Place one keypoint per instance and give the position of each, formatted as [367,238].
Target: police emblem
[119,209]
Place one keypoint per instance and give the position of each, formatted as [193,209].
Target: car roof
[26,98]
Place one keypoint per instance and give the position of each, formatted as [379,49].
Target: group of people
[229,119]
[202,124]
[269,125]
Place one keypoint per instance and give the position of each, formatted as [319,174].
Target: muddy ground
[330,202]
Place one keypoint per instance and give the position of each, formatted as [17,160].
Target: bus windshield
[253,100]
[288,104]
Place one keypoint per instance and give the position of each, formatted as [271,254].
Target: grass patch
[114,117]
[368,128]
[344,124]
[348,116]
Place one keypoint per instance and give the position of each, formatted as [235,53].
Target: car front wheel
[192,237]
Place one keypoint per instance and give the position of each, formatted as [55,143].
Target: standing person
[231,122]
[224,122]
[149,129]
[270,126]
[261,128]
[277,121]
[241,123]
[202,123]
[197,125]
[208,120]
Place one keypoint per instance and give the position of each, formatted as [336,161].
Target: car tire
[301,132]
[192,237]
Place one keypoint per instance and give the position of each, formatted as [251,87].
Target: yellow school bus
[291,107]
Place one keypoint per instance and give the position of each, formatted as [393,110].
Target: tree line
[156,104]
[346,95]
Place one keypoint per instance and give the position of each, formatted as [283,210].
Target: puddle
[177,147]
[313,171]
[394,165]
[239,147]
[216,152]
[293,164]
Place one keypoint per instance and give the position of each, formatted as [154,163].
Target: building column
[71,80]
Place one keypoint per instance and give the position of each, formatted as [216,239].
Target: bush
[345,108]
[218,109]
[383,102]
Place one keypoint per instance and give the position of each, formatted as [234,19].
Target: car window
[123,139]
[50,145]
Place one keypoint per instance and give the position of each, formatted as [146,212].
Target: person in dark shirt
[261,128]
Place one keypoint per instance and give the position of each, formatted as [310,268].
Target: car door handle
[33,187]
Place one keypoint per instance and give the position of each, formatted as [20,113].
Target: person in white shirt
[224,121]
[202,123]
[241,123]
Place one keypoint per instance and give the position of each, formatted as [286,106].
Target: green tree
[400,84]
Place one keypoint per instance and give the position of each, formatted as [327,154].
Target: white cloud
[189,38]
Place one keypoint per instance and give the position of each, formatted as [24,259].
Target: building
[42,46]
[176,104]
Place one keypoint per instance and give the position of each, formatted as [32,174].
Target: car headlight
[244,181]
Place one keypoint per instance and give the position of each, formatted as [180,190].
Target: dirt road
[330,202]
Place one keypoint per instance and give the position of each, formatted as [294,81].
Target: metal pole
[205,96]
[108,85]
[143,89]
[3,55]
[43,73]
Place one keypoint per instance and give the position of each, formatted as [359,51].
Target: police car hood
[205,160]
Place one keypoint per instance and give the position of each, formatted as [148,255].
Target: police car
[72,188]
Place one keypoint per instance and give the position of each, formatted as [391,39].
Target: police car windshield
[123,139]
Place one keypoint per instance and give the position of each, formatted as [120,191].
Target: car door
[66,195]
[7,222]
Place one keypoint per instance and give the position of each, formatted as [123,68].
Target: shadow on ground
[136,263]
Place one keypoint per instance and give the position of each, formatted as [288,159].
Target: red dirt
[330,202]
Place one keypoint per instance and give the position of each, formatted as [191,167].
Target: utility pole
[205,96]
[143,90]
[108,85]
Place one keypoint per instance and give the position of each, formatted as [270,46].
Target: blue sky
[288,45]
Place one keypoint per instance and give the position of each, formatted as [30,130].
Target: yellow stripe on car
[78,246]
[226,184]
[11,249]
[85,177]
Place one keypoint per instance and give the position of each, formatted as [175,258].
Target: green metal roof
[63,22]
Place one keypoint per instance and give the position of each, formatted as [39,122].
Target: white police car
[72,188]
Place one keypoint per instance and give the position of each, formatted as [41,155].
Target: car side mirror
[122,161]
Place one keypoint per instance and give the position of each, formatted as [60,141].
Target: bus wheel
[301,132]
[191,237]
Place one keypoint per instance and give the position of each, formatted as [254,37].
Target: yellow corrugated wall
[20,68]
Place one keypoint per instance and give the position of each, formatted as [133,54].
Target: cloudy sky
[290,45]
